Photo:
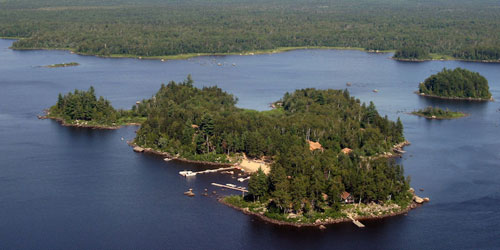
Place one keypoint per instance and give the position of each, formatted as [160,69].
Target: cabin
[324,196]
[315,146]
[346,197]
[346,151]
[194,126]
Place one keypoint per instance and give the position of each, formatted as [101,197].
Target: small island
[83,109]
[319,157]
[438,113]
[62,65]
[457,84]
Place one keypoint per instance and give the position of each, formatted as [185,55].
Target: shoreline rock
[167,155]
[138,149]
[83,125]
[456,98]
[439,118]
[329,221]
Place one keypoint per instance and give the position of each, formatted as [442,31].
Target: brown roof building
[346,151]
[314,146]
[346,197]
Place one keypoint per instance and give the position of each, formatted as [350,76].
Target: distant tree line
[479,53]
[158,28]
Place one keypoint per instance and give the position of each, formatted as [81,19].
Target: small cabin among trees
[346,197]
[315,146]
[346,151]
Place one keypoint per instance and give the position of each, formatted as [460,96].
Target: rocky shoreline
[441,59]
[411,60]
[262,217]
[139,149]
[456,98]
[84,124]
[439,118]
[397,149]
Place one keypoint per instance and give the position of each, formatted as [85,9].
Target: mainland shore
[435,57]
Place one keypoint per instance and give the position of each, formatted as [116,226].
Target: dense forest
[457,83]
[83,108]
[188,121]
[204,124]
[463,29]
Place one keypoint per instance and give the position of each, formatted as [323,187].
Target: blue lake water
[72,188]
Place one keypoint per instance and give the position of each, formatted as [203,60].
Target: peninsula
[458,84]
[83,109]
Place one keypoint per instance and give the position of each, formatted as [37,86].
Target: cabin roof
[314,145]
[344,195]
[346,151]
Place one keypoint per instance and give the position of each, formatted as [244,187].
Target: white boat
[167,159]
[186,173]
[231,185]
[243,179]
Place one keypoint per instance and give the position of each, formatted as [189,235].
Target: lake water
[66,188]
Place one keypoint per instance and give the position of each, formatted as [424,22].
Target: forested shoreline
[154,28]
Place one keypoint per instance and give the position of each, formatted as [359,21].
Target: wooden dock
[190,173]
[356,222]
[229,187]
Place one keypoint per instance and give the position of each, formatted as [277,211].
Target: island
[83,109]
[458,84]
[326,152]
[438,113]
[322,155]
[62,65]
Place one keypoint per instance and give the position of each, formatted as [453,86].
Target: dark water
[71,188]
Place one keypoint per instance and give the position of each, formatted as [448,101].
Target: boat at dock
[243,179]
[187,173]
